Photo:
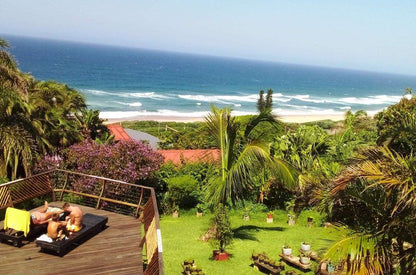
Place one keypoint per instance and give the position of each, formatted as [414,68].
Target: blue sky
[377,35]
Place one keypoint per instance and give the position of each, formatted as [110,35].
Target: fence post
[63,188]
[101,193]
[140,202]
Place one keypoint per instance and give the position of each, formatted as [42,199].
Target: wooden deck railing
[98,192]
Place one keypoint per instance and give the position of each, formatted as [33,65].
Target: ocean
[122,82]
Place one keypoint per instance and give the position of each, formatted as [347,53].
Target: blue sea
[122,82]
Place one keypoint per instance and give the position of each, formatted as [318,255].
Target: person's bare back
[54,226]
[75,217]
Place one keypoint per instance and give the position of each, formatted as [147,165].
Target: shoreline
[165,118]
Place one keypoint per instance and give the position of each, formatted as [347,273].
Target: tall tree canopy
[396,126]
[36,117]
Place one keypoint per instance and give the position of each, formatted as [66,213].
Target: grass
[181,241]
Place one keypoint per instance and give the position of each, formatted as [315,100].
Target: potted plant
[222,233]
[188,263]
[290,219]
[305,246]
[287,250]
[246,213]
[175,213]
[330,267]
[304,258]
[290,208]
[270,217]
[273,264]
[310,221]
[199,210]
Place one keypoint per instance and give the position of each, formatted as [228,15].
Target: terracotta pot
[218,256]
[199,214]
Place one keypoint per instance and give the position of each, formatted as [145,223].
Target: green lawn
[181,241]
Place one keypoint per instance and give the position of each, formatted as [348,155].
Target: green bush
[183,191]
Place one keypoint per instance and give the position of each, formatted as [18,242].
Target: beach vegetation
[175,135]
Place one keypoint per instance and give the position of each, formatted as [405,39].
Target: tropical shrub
[183,191]
[200,171]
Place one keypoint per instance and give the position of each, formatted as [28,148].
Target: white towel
[45,238]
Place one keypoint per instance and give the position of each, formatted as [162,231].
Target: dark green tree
[396,125]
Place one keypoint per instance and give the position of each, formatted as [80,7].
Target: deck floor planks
[115,250]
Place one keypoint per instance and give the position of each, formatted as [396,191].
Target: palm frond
[359,254]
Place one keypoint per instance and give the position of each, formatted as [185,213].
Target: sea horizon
[124,82]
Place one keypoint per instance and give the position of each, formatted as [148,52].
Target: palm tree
[59,110]
[93,125]
[35,117]
[380,187]
[10,75]
[16,138]
[239,162]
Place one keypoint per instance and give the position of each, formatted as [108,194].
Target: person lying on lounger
[55,227]
[41,216]
[75,217]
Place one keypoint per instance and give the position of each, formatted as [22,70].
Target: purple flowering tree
[129,161]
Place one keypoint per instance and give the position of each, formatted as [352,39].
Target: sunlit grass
[181,241]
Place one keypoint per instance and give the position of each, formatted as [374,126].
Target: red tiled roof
[195,155]
[118,132]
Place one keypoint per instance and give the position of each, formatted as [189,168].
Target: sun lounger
[17,227]
[91,225]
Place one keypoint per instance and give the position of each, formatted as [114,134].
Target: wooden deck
[114,250]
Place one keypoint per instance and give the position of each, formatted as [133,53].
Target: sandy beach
[164,118]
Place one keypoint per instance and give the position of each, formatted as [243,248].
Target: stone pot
[305,260]
[305,247]
[287,251]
